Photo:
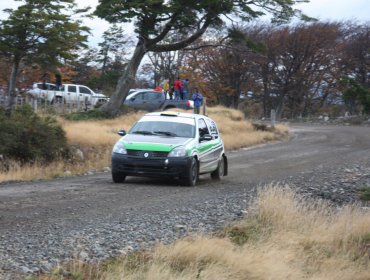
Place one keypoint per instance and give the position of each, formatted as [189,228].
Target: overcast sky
[321,9]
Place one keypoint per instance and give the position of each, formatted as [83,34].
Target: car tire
[118,177]
[192,175]
[220,171]
[58,101]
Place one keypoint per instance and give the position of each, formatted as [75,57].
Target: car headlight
[178,152]
[119,148]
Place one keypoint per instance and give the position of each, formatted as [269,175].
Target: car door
[136,101]
[153,100]
[147,98]
[85,95]
[218,147]
[206,155]
[71,93]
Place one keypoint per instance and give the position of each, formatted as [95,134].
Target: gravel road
[43,223]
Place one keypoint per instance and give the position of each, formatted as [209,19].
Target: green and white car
[171,144]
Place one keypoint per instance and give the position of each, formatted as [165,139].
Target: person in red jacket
[177,87]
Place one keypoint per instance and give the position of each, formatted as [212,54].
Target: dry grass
[238,133]
[96,138]
[286,237]
[98,133]
[33,171]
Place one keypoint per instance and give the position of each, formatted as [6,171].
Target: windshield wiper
[143,132]
[167,133]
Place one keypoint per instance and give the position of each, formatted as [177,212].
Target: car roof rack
[170,113]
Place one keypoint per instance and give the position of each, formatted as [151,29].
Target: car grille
[150,154]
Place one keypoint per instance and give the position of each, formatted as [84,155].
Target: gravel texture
[339,186]
[41,245]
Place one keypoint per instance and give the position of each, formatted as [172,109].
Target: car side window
[85,90]
[213,128]
[46,86]
[145,96]
[154,95]
[139,96]
[151,96]
[72,89]
[202,126]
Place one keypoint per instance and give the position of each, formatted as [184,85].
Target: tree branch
[167,28]
[182,44]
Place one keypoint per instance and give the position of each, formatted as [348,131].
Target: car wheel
[58,100]
[118,177]
[99,103]
[192,174]
[220,171]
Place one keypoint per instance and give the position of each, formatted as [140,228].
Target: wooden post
[204,106]
[273,117]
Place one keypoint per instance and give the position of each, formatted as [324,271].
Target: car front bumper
[150,167]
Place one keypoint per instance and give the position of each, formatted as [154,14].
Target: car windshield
[170,129]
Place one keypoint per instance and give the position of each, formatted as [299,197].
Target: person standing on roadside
[182,91]
[177,87]
[166,88]
[186,89]
[170,92]
[197,97]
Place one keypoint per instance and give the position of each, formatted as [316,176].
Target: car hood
[100,95]
[153,142]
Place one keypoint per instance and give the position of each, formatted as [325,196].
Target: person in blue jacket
[197,97]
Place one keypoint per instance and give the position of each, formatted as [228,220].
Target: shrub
[88,115]
[365,193]
[96,114]
[27,137]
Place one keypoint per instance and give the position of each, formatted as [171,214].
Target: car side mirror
[205,137]
[122,132]
[132,99]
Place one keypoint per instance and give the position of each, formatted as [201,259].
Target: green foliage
[239,37]
[26,137]
[78,276]
[356,92]
[366,237]
[365,193]
[182,15]
[41,32]
[88,115]
[108,79]
[114,45]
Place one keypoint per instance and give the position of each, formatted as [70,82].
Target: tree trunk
[265,98]
[12,86]
[126,81]
[280,106]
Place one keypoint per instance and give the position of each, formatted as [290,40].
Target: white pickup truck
[68,93]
